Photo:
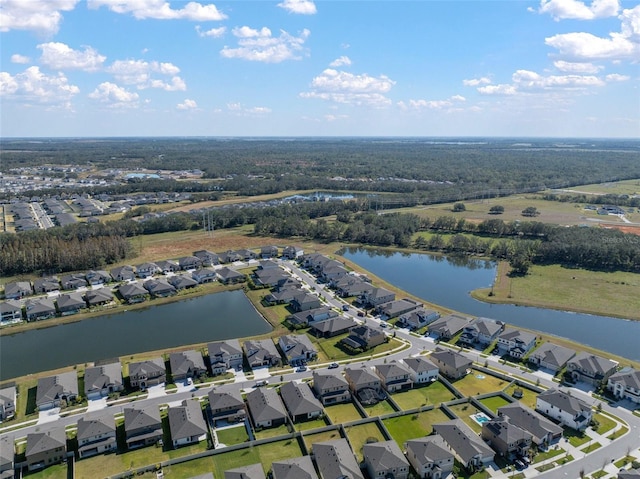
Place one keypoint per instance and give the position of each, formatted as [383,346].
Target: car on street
[301,369]
[261,383]
[333,365]
[345,307]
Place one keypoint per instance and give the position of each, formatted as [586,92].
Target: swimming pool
[480,418]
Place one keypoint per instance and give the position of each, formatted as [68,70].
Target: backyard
[380,409]
[464,412]
[434,393]
[232,435]
[362,434]
[310,439]
[478,383]
[411,426]
[494,402]
[341,413]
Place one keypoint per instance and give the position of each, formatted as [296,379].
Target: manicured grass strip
[591,447]
[576,439]
[624,461]
[272,432]
[57,471]
[605,423]
[543,456]
[308,425]
[403,428]
[546,467]
[434,393]
[360,435]
[619,433]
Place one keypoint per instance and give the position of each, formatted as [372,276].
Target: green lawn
[329,349]
[360,435]
[308,425]
[232,435]
[591,447]
[412,426]
[341,413]
[494,402]
[477,383]
[619,433]
[528,396]
[464,411]
[434,393]
[380,409]
[310,439]
[543,456]
[576,439]
[272,432]
[606,424]
[57,471]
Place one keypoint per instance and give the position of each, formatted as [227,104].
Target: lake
[447,281]
[206,318]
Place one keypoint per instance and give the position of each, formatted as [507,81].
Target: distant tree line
[608,199]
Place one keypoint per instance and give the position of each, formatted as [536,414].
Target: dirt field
[626,228]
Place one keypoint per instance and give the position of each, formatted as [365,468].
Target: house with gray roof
[266,408]
[246,254]
[123,273]
[335,460]
[10,311]
[506,438]
[542,430]
[159,288]
[96,297]
[96,435]
[144,374]
[364,383]
[430,457]
[98,277]
[625,384]
[294,468]
[186,423]
[103,379]
[254,471]
[17,289]
[186,364]
[73,281]
[385,459]
[7,452]
[230,276]
[448,326]
[189,262]
[394,376]
[226,405]
[332,327]
[8,396]
[182,281]
[469,449]
[225,354]
[363,337]
[292,252]
[145,270]
[261,352]
[270,277]
[591,369]
[304,301]
[46,285]
[208,258]
[38,309]
[45,448]
[422,370]
[300,401]
[516,343]
[418,318]
[450,363]
[167,266]
[333,272]
[297,348]
[142,426]
[308,317]
[393,309]
[377,296]
[53,391]
[205,275]
[628,474]
[70,303]
[564,408]
[330,387]
[482,331]
[551,356]
[230,257]
[353,286]
[133,292]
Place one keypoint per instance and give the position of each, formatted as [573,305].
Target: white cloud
[527,82]
[476,81]
[59,56]
[17,58]
[261,46]
[240,110]
[330,117]
[616,77]
[187,105]
[161,10]
[580,67]
[301,7]
[344,87]
[139,73]
[214,32]
[447,104]
[339,62]
[497,90]
[578,10]
[42,16]
[114,96]
[586,46]
[33,85]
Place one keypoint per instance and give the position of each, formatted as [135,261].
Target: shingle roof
[360,375]
[186,420]
[385,455]
[254,471]
[296,468]
[184,362]
[139,417]
[265,405]
[99,377]
[38,442]
[564,401]
[103,424]
[593,363]
[53,387]
[299,399]
[429,449]
[461,438]
[529,420]
[629,377]
[419,364]
[336,460]
[225,399]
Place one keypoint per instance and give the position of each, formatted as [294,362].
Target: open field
[432,394]
[557,287]
[624,187]
[477,383]
[403,428]
[362,434]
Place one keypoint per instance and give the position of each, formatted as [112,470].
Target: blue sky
[325,68]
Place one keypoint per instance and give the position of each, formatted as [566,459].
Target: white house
[568,410]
